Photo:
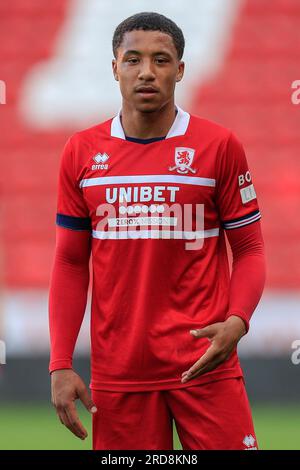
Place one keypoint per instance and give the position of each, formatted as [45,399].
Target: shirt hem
[165,384]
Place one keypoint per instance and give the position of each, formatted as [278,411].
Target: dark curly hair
[149,21]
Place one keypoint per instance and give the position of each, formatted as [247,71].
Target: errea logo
[100,160]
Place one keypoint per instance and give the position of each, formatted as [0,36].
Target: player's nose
[146,71]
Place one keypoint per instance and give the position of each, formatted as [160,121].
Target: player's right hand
[66,387]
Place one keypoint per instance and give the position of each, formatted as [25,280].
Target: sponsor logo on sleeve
[248,192]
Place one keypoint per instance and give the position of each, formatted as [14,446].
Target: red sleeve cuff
[60,364]
[242,315]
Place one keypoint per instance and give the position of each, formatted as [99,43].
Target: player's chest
[139,176]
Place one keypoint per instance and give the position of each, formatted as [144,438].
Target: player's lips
[146,90]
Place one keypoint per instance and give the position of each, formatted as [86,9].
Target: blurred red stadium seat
[250,94]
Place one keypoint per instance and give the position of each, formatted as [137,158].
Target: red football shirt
[157,215]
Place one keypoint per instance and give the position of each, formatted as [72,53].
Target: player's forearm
[248,271]
[67,303]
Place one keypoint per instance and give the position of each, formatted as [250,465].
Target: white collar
[178,127]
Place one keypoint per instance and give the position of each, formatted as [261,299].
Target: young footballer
[149,195]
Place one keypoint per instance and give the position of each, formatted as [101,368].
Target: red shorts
[215,415]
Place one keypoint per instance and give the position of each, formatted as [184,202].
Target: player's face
[147,68]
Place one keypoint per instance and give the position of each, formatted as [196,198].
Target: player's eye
[132,60]
[161,60]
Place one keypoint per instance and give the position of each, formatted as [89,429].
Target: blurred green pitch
[37,427]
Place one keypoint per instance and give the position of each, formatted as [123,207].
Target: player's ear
[114,68]
[180,71]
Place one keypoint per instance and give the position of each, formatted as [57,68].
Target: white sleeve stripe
[240,223]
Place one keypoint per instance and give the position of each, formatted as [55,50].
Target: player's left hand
[224,337]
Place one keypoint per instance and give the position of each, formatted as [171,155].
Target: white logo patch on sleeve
[248,193]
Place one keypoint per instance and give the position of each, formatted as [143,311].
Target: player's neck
[147,125]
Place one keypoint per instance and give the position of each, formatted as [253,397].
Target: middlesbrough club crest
[183,160]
